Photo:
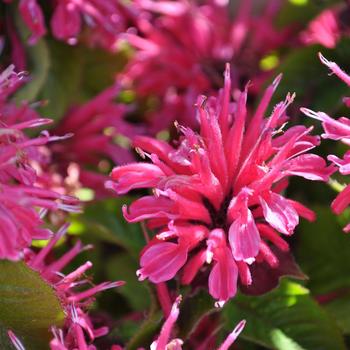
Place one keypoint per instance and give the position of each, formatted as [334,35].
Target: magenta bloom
[338,130]
[23,200]
[162,343]
[105,19]
[79,331]
[33,17]
[96,127]
[216,196]
[182,47]
[327,28]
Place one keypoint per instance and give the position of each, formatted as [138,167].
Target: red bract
[23,201]
[163,343]
[217,195]
[338,130]
[95,126]
[182,47]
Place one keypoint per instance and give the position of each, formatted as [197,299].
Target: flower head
[23,200]
[217,195]
[182,47]
[104,20]
[78,326]
[328,27]
[338,130]
[96,127]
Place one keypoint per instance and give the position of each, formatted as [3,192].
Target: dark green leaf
[28,306]
[105,220]
[123,267]
[192,311]
[62,84]
[285,319]
[323,252]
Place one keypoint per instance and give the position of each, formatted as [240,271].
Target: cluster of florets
[104,20]
[217,196]
[338,130]
[182,47]
[24,201]
[74,300]
[214,196]
[96,126]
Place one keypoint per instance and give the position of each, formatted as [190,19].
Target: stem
[335,185]
[164,298]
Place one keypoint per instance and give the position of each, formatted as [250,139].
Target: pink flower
[96,127]
[324,29]
[217,194]
[327,28]
[23,201]
[79,331]
[163,343]
[182,47]
[104,18]
[33,17]
[338,130]
[78,326]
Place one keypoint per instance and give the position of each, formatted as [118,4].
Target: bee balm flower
[338,130]
[78,326]
[217,194]
[23,202]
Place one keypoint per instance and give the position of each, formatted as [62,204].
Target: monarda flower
[104,20]
[97,127]
[338,130]
[163,342]
[182,47]
[328,27]
[23,201]
[217,194]
[78,331]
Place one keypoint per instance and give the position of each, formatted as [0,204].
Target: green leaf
[192,311]
[104,219]
[146,333]
[39,65]
[100,69]
[38,59]
[323,252]
[123,267]
[61,87]
[28,306]
[304,74]
[296,12]
[285,319]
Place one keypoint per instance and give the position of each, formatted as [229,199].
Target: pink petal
[244,237]
[136,175]
[279,213]
[309,166]
[341,201]
[223,276]
[160,262]
[65,21]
